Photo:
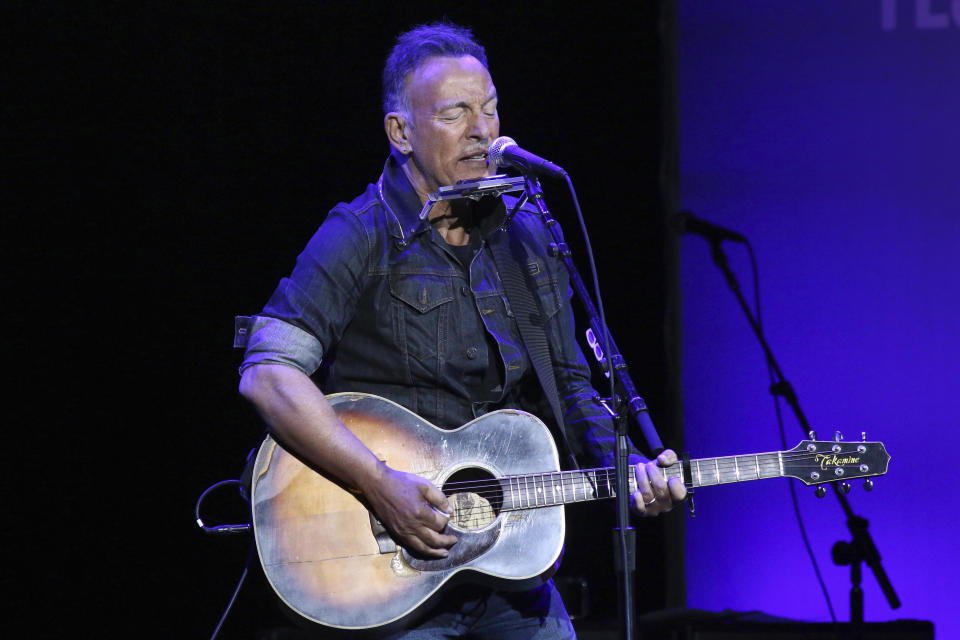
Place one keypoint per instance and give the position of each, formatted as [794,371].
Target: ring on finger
[647,504]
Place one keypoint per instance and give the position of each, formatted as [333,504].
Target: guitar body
[319,545]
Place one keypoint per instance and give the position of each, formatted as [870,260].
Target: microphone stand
[624,534]
[861,548]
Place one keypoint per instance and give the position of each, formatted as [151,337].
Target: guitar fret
[529,491]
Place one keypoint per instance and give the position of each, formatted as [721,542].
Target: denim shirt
[382,302]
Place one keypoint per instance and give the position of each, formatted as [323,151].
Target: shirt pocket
[421,309]
[547,289]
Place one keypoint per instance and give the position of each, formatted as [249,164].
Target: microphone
[686,222]
[505,153]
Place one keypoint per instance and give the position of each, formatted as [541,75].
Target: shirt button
[472,352]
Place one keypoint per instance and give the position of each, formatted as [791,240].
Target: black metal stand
[845,553]
[614,363]
[624,536]
[862,547]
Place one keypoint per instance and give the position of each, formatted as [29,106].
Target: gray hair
[424,41]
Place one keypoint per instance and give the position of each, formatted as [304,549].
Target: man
[415,312]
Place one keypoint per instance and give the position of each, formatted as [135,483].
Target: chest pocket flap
[422,292]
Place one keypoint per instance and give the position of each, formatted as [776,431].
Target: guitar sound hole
[475,498]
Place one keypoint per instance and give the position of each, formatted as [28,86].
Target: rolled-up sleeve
[274,341]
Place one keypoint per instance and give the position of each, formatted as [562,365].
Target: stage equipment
[861,548]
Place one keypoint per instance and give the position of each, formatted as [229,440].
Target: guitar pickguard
[470,545]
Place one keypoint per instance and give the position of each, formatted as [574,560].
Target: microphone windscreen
[495,153]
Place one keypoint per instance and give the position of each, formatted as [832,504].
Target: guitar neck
[534,490]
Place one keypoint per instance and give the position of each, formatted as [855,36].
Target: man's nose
[481,127]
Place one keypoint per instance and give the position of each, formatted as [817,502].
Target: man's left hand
[654,494]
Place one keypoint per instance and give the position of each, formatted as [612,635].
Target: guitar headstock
[818,461]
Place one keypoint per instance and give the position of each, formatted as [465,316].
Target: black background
[168,160]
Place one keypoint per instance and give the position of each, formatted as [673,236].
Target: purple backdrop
[827,132]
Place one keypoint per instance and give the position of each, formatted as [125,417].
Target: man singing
[415,311]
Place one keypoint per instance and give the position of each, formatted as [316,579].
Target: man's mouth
[477,157]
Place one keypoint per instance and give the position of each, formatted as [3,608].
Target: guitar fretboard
[558,487]
[534,490]
[710,471]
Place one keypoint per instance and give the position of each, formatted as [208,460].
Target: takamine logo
[832,460]
[919,14]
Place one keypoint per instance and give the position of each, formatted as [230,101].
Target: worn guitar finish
[315,538]
[332,563]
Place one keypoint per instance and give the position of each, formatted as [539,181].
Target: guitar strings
[534,485]
[725,463]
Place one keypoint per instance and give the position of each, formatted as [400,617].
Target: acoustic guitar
[332,563]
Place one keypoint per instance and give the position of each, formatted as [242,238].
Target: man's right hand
[413,509]
[408,505]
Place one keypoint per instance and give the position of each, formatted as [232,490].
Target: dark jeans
[465,611]
[478,614]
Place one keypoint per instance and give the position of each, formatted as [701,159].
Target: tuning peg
[863,436]
[845,486]
[812,435]
[837,436]
[868,485]
[820,492]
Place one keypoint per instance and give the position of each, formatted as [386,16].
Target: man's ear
[395,124]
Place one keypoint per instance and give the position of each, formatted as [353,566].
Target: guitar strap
[507,255]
